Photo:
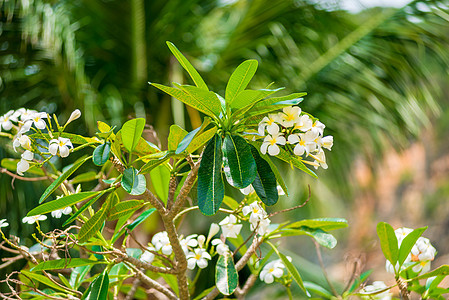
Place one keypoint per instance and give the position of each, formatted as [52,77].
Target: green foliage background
[375,78]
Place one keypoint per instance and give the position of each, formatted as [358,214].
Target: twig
[320,259]
[15,176]
[133,290]
[241,292]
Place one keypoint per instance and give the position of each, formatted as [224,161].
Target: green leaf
[175,137]
[44,280]
[94,224]
[78,274]
[84,177]
[55,184]
[239,80]
[275,170]
[210,180]
[265,183]
[322,223]
[64,264]
[133,183]
[100,287]
[132,132]
[160,178]
[105,130]
[230,202]
[83,208]
[388,242]
[119,229]
[204,293]
[246,99]
[201,139]
[199,82]
[407,244]
[442,270]
[61,203]
[143,216]
[206,98]
[154,160]
[238,162]
[359,280]
[124,208]
[318,289]
[323,238]
[184,97]
[296,97]
[226,276]
[184,144]
[290,268]
[101,154]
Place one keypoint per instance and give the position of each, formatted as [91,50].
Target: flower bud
[75,115]
[214,229]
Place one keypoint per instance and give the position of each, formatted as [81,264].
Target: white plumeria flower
[248,190]
[320,159]
[256,212]
[290,116]
[305,142]
[198,258]
[59,212]
[229,227]
[73,116]
[269,123]
[369,290]
[33,219]
[3,223]
[401,233]
[37,120]
[21,140]
[161,242]
[318,127]
[6,121]
[23,165]
[271,143]
[187,242]
[304,123]
[326,142]
[62,144]
[26,114]
[213,230]
[221,247]
[271,270]
[147,256]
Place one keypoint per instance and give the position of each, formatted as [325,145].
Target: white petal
[202,263]
[268,278]
[273,150]
[191,262]
[299,150]
[40,124]
[64,151]
[273,128]
[281,140]
[293,138]
[53,148]
[22,166]
[263,148]
[28,155]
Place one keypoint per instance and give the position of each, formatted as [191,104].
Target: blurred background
[376,74]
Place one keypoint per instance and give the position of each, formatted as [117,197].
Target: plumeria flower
[3,223]
[318,127]
[401,233]
[189,241]
[326,142]
[21,140]
[290,116]
[161,242]
[271,143]
[26,114]
[198,258]
[33,219]
[5,121]
[220,246]
[73,116]
[320,159]
[62,145]
[422,252]
[229,227]
[59,212]
[147,256]
[271,270]
[37,120]
[305,142]
[256,212]
[377,286]
[23,165]
[270,124]
[304,123]
[248,190]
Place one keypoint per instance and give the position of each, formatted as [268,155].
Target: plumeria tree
[91,256]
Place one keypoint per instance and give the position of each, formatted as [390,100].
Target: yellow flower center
[61,143]
[290,117]
[272,142]
[198,256]
[271,270]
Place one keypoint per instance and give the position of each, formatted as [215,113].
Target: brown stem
[133,290]
[153,284]
[320,259]
[403,287]
[241,292]
[171,191]
[291,208]
[143,265]
[15,176]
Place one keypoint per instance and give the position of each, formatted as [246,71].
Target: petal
[191,263]
[268,278]
[299,150]
[273,128]
[40,124]
[293,138]
[64,151]
[53,148]
[273,150]
[281,140]
[202,263]
[263,148]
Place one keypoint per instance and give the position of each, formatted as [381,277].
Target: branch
[143,265]
[15,176]
[292,208]
[241,292]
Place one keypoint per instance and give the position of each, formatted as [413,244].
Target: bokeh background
[377,76]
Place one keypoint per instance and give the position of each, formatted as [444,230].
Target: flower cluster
[272,270]
[258,218]
[421,254]
[297,132]
[372,290]
[21,121]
